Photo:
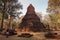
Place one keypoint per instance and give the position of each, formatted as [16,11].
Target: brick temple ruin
[31,22]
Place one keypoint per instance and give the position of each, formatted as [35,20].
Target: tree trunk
[10,22]
[2,21]
[3,16]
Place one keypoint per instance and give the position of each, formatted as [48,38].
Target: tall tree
[54,10]
[2,10]
[14,7]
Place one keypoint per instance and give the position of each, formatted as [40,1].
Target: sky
[39,5]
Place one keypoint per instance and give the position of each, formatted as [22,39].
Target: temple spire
[30,8]
[31,22]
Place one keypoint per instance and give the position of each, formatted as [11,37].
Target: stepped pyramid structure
[31,21]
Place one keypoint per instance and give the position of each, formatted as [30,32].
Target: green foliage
[55,18]
[5,16]
[53,5]
[10,7]
[14,24]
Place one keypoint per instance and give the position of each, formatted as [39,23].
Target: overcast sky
[39,5]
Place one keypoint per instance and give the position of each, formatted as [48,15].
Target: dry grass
[37,36]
